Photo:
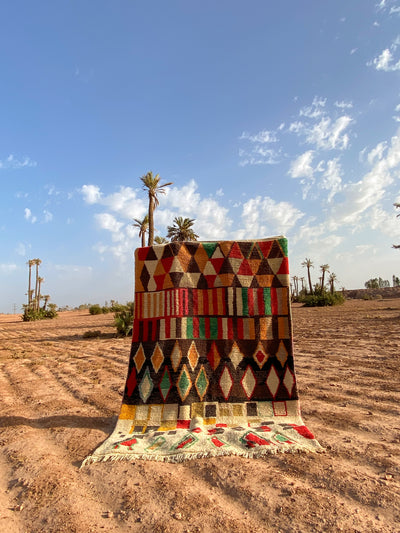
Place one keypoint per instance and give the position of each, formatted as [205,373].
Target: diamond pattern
[184,383]
[193,356]
[273,381]
[260,357]
[139,358]
[248,382]
[213,356]
[226,382]
[165,384]
[176,356]
[202,383]
[289,380]
[146,386]
[235,355]
[157,358]
[282,353]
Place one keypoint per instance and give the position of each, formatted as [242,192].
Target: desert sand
[60,395]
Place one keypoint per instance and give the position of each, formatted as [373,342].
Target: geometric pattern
[211,369]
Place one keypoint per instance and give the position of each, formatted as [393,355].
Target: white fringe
[182,457]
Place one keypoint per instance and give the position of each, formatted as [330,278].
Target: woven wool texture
[211,368]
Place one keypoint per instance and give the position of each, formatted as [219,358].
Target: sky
[270,118]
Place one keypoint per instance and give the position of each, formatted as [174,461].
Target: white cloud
[28,215]
[257,153]
[331,179]
[211,219]
[7,268]
[48,217]
[12,162]
[377,152]
[301,167]
[343,105]
[386,61]
[315,110]
[328,134]
[261,137]
[320,129]
[91,194]
[21,249]
[262,216]
[353,51]
[369,191]
[109,222]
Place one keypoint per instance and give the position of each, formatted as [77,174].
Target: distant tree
[45,298]
[160,240]
[372,284]
[39,297]
[143,226]
[324,268]
[30,264]
[396,281]
[308,264]
[182,230]
[376,283]
[36,262]
[296,286]
[397,246]
[331,280]
[151,184]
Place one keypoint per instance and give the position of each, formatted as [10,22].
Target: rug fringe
[181,458]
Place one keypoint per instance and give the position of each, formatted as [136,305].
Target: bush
[322,299]
[123,319]
[39,314]
[105,310]
[95,309]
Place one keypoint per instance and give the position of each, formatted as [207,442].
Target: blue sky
[269,117]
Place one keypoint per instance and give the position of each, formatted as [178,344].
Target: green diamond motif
[165,384]
[184,383]
[146,386]
[201,383]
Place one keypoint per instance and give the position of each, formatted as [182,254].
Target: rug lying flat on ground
[211,369]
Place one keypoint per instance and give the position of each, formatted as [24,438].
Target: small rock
[108,514]
[177,516]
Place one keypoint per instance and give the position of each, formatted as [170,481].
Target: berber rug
[211,368]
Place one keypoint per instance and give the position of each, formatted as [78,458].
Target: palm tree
[182,230]
[46,298]
[309,264]
[143,226]
[160,240]
[151,184]
[332,279]
[30,263]
[36,262]
[324,268]
[40,281]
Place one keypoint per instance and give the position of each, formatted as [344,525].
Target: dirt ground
[60,395]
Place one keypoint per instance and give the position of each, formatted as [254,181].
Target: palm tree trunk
[29,283]
[37,286]
[143,239]
[309,280]
[151,220]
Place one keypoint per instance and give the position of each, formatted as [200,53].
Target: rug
[211,368]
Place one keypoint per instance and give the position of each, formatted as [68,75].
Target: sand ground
[60,395]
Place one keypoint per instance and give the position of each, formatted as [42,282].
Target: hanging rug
[211,368]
